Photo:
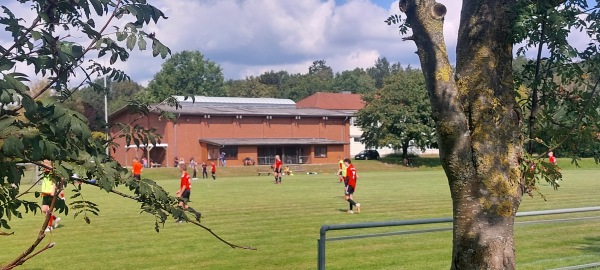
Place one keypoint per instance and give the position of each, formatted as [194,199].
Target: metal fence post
[333,227]
[321,252]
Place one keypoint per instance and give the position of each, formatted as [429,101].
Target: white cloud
[247,38]
[250,37]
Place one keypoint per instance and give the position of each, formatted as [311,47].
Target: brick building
[254,129]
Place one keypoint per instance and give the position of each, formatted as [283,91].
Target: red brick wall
[183,138]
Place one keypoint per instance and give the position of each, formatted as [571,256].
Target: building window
[213,153]
[321,151]
[356,139]
[231,151]
[353,121]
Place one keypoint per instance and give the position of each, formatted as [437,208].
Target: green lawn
[283,222]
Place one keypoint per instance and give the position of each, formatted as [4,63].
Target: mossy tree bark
[478,123]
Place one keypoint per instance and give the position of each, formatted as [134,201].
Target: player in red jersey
[350,184]
[183,194]
[552,158]
[213,170]
[277,169]
[137,168]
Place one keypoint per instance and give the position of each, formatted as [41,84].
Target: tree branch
[191,221]
[534,95]
[218,237]
[71,66]
[21,259]
[50,245]
[89,47]
[579,118]
[140,116]
[36,182]
[22,38]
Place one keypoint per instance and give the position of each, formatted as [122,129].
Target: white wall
[356,146]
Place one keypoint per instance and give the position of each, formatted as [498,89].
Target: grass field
[283,221]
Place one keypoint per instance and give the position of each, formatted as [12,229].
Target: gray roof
[203,105]
[228,106]
[235,101]
[270,141]
[253,111]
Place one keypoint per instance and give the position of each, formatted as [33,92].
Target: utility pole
[106,114]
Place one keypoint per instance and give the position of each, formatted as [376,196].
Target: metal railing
[323,231]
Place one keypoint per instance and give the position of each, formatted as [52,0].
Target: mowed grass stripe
[283,222]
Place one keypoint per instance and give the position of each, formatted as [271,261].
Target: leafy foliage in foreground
[34,129]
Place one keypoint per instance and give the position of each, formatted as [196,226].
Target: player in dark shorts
[213,171]
[350,185]
[183,194]
[204,172]
[277,168]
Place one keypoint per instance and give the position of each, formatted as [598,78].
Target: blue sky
[250,37]
[383,3]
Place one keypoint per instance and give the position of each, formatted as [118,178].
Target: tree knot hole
[439,11]
[402,5]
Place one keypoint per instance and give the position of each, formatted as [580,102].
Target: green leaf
[97,7]
[6,121]
[13,147]
[142,44]
[121,36]
[15,83]
[37,150]
[77,51]
[155,47]
[131,42]
[4,224]
[6,64]
[113,58]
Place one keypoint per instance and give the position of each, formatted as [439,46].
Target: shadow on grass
[591,244]
[416,161]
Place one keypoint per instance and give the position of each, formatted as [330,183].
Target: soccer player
[204,173]
[222,157]
[194,166]
[49,181]
[350,185]
[137,169]
[183,194]
[552,158]
[213,170]
[277,169]
[342,170]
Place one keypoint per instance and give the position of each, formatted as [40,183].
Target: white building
[351,103]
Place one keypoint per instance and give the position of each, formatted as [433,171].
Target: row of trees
[190,73]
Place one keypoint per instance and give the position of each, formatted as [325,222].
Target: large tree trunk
[478,124]
[405,145]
